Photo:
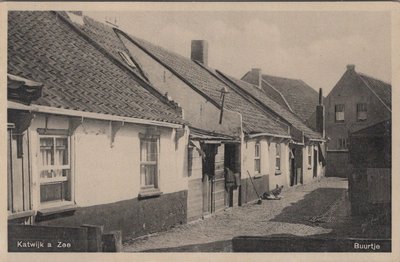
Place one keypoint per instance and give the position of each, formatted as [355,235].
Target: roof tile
[254,119]
[74,73]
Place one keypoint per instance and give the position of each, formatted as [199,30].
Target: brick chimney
[320,115]
[199,51]
[351,67]
[257,76]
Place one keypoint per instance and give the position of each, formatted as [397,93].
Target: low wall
[370,192]
[133,217]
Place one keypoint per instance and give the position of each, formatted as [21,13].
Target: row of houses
[108,129]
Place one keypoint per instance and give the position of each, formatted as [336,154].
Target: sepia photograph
[208,130]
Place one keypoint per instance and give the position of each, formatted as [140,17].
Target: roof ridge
[158,46]
[264,105]
[281,77]
[135,42]
[110,56]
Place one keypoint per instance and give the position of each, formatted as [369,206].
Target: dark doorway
[231,162]
[292,165]
[210,151]
[315,165]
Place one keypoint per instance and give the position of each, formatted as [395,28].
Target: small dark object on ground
[273,194]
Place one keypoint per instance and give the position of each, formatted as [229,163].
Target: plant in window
[54,169]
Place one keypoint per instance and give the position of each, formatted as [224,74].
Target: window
[278,157]
[149,162]
[309,156]
[339,113]
[55,169]
[257,164]
[361,112]
[127,59]
[343,143]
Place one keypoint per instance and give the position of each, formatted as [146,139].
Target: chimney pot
[351,67]
[320,115]
[258,74]
[320,96]
[199,51]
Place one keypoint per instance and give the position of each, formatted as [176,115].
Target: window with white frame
[278,157]
[361,112]
[55,168]
[257,154]
[339,113]
[149,162]
[309,155]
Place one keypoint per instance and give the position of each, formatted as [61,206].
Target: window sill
[149,193]
[278,172]
[43,212]
[257,176]
[21,214]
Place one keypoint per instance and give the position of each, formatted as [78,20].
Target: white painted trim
[99,116]
[317,140]
[267,134]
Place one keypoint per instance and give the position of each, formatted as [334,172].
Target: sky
[308,45]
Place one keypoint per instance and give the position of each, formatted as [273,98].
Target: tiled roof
[273,93]
[383,90]
[274,106]
[75,74]
[103,35]
[300,97]
[254,119]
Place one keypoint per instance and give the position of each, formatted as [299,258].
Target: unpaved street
[320,207]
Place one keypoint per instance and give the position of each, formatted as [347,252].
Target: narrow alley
[320,207]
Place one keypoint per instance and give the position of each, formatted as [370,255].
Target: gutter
[267,134]
[91,115]
[317,140]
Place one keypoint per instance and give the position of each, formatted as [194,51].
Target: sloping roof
[300,97]
[283,112]
[271,91]
[105,36]
[75,74]
[254,119]
[382,128]
[381,89]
